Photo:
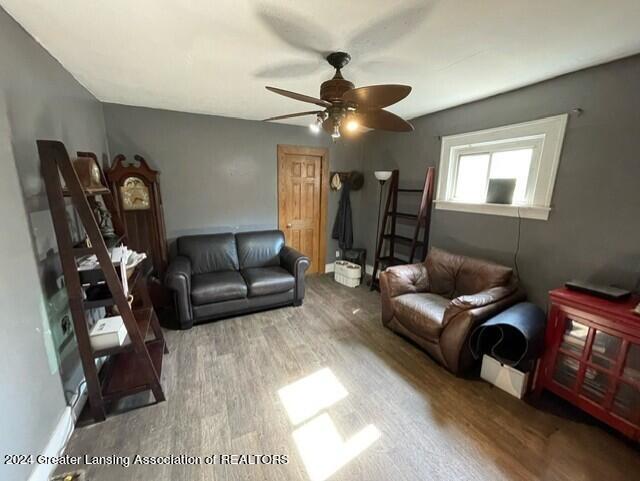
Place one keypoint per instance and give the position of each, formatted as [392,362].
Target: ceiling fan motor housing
[333,90]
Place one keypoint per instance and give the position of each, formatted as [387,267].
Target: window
[504,171]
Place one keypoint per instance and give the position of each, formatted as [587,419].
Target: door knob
[288,225]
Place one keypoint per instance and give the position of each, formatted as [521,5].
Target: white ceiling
[216,56]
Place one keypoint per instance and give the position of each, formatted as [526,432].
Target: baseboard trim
[61,434]
[56,443]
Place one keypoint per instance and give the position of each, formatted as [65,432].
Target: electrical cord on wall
[74,419]
[515,254]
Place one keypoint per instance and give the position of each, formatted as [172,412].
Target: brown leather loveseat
[439,302]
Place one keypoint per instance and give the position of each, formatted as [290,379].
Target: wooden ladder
[422,220]
[135,366]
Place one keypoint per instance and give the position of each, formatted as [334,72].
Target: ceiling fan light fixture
[316,126]
[352,125]
[336,131]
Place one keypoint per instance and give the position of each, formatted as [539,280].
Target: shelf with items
[143,319]
[82,249]
[97,292]
[134,366]
[592,358]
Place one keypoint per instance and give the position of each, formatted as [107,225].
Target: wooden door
[302,200]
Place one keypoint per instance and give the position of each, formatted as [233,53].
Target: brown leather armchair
[439,302]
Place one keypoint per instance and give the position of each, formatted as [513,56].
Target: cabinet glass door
[574,336]
[626,402]
[595,385]
[605,349]
[566,371]
[632,364]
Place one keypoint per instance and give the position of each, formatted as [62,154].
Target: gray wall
[593,231]
[219,174]
[38,99]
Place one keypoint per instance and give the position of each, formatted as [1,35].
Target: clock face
[135,194]
[95,173]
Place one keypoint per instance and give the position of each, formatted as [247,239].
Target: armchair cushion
[443,267]
[476,275]
[422,313]
[453,275]
[217,287]
[267,280]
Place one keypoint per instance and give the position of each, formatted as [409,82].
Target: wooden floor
[222,381]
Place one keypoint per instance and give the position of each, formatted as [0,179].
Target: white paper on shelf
[123,270]
[121,256]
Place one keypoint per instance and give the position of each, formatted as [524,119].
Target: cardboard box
[108,332]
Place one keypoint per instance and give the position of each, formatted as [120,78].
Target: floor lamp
[382,176]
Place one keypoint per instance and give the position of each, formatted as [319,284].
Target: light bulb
[352,125]
[314,127]
[336,131]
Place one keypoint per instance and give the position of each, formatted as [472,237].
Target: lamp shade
[382,174]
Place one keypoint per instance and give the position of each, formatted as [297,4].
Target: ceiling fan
[347,107]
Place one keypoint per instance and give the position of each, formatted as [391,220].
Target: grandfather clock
[136,191]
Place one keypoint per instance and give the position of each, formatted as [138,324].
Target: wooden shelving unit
[136,366]
[387,234]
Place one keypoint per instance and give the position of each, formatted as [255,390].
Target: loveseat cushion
[422,313]
[262,281]
[217,286]
[210,252]
[259,249]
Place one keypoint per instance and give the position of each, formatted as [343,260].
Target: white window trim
[546,135]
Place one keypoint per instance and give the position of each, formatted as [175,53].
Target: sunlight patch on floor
[321,447]
[308,396]
[323,450]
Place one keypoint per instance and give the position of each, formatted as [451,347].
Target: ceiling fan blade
[383,120]
[299,114]
[301,97]
[376,96]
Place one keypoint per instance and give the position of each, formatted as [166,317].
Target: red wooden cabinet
[592,357]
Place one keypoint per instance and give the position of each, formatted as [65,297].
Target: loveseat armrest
[296,264]
[178,279]
[464,313]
